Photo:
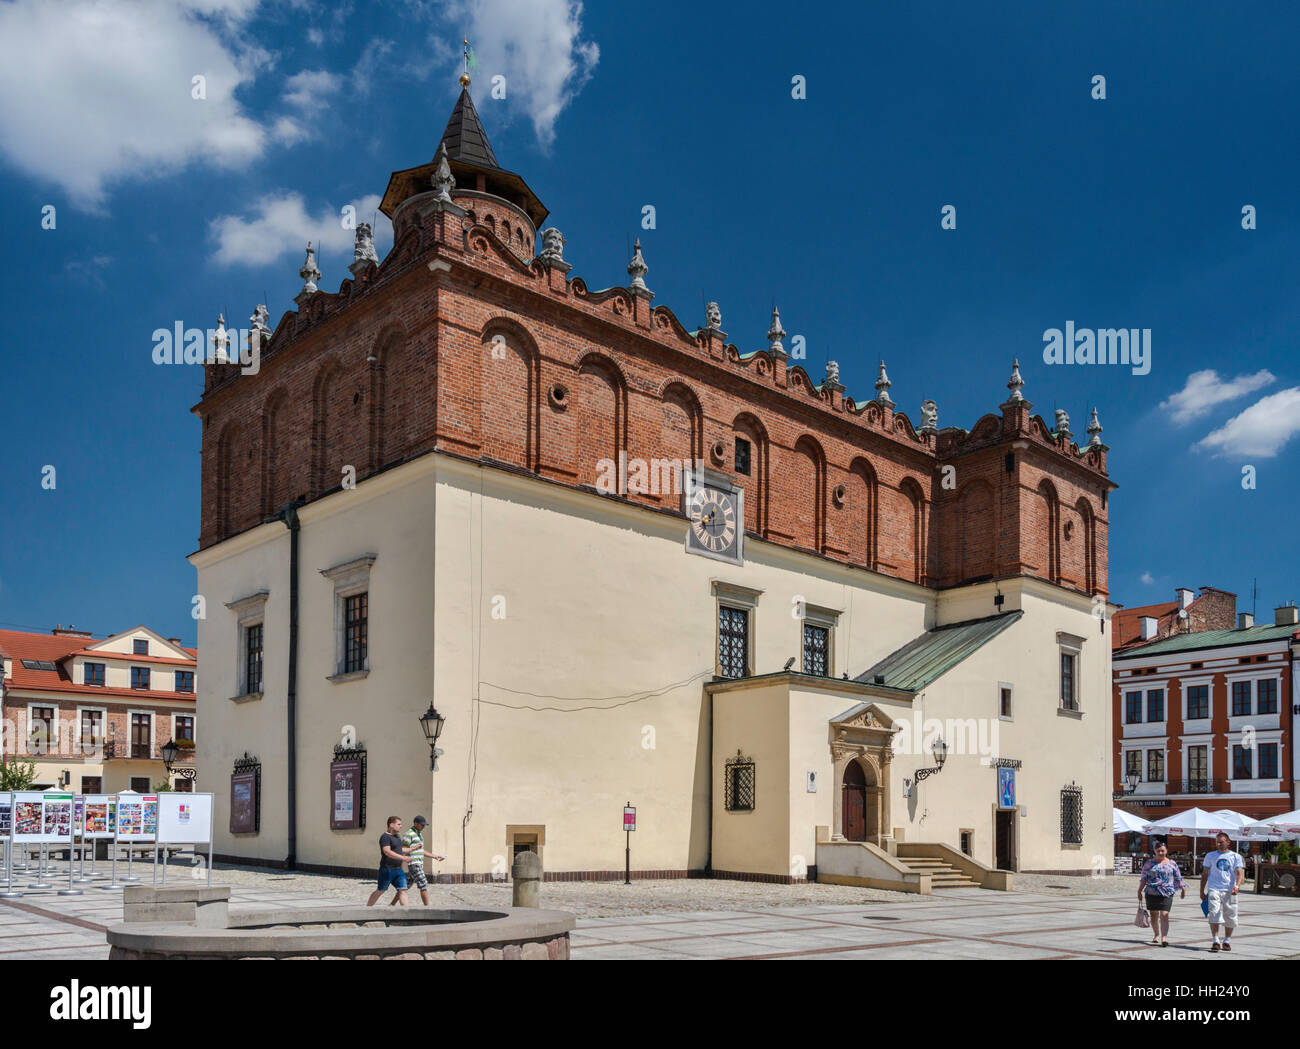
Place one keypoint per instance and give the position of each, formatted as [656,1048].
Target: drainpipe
[289,515]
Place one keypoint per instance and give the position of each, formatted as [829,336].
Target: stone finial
[443,180]
[929,417]
[1094,431]
[712,316]
[882,386]
[220,342]
[257,326]
[832,373]
[775,334]
[310,275]
[552,245]
[1016,384]
[1063,424]
[637,269]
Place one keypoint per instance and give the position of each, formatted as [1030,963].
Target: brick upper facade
[462,341]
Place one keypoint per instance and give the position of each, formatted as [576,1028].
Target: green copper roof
[936,652]
[1210,639]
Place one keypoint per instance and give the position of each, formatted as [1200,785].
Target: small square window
[94,673]
[140,677]
[139,646]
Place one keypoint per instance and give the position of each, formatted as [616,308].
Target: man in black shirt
[391,859]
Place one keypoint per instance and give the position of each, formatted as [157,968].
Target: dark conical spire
[464,136]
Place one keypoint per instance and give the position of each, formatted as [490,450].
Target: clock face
[715,522]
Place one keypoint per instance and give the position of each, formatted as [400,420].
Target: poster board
[347,793]
[137,817]
[99,816]
[78,813]
[42,817]
[244,802]
[6,814]
[185,819]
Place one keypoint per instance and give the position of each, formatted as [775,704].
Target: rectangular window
[92,729]
[141,735]
[1155,766]
[966,842]
[94,673]
[816,647]
[1198,702]
[139,646]
[1240,699]
[738,783]
[1242,765]
[1268,761]
[1068,701]
[733,642]
[742,456]
[1156,705]
[184,681]
[183,786]
[253,659]
[40,734]
[184,728]
[1133,708]
[1072,816]
[1198,770]
[1133,763]
[140,784]
[139,677]
[92,784]
[1267,696]
[1004,701]
[355,617]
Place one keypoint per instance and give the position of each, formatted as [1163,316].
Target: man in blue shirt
[1221,878]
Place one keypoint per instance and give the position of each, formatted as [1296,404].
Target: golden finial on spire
[464,77]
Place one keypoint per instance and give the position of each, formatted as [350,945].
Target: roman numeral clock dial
[716,520]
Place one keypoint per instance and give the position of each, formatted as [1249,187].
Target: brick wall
[456,343]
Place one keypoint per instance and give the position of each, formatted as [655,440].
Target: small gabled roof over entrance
[935,652]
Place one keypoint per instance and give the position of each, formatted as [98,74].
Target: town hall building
[633,564]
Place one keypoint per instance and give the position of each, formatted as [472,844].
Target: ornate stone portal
[863,736]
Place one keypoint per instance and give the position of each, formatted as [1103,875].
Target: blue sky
[1122,212]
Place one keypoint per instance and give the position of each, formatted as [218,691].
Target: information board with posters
[97,819]
[185,819]
[137,817]
[40,817]
[244,802]
[347,793]
[6,814]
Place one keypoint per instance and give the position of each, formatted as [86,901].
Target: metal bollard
[527,875]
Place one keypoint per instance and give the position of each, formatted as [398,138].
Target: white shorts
[1223,908]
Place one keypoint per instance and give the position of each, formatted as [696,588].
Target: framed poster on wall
[348,790]
[185,819]
[245,799]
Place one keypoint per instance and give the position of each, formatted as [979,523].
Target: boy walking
[413,847]
[1221,877]
[390,864]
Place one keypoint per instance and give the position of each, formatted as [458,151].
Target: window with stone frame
[1155,766]
[739,784]
[1243,765]
[253,642]
[1266,696]
[816,650]
[1133,763]
[1132,708]
[1156,705]
[1072,815]
[1198,702]
[352,591]
[1241,699]
[1268,760]
[733,642]
[250,628]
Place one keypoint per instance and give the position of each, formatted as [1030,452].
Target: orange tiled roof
[1126,626]
[54,648]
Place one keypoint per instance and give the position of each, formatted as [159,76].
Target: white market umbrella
[1194,823]
[1287,823]
[1126,822]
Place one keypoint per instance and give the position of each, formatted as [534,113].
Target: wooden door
[140,732]
[853,805]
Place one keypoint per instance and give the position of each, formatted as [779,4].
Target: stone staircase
[943,875]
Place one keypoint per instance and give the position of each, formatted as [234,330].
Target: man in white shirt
[1221,878]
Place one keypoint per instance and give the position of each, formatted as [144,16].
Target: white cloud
[309,87]
[278,228]
[537,46]
[1261,430]
[100,90]
[1148,578]
[1204,390]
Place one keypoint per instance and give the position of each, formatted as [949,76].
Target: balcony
[1203,785]
[116,749]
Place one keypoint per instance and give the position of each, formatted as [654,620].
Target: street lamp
[1130,785]
[940,751]
[169,751]
[432,723]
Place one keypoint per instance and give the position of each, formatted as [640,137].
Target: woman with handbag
[1161,878]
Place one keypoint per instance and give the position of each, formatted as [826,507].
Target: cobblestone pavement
[1048,916]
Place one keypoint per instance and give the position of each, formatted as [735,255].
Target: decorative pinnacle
[1094,430]
[1016,383]
[309,273]
[637,269]
[464,77]
[882,386]
[775,334]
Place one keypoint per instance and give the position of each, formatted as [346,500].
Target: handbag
[1143,919]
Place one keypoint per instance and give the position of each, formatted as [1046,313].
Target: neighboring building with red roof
[1214,609]
[95,715]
